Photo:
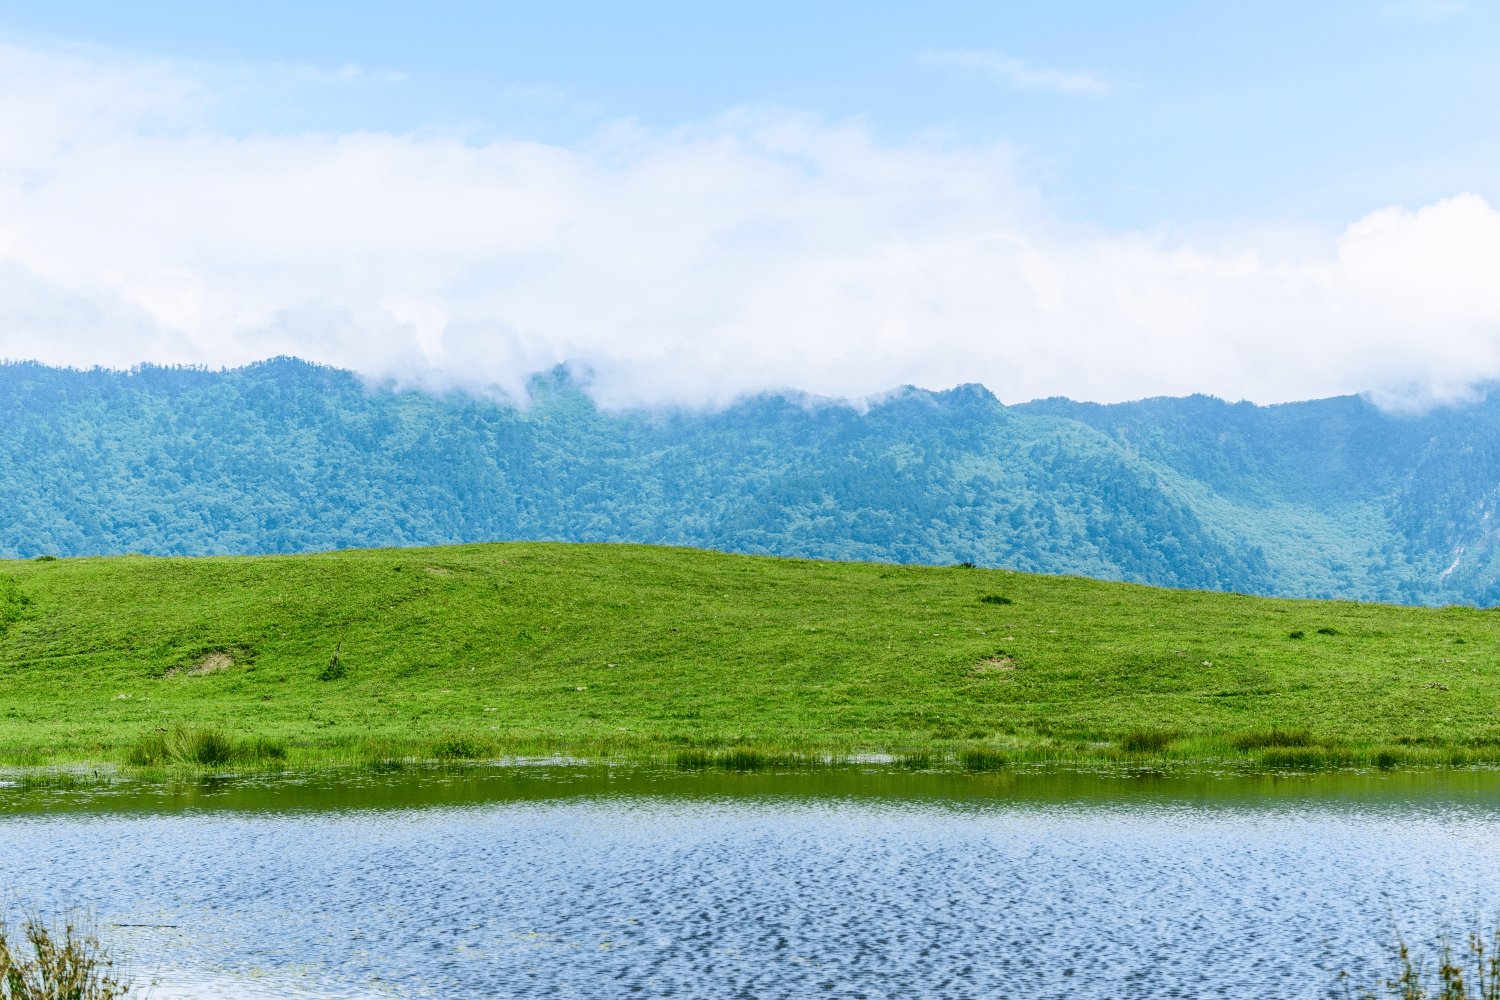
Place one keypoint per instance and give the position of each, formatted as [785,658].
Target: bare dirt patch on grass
[993,663]
[213,662]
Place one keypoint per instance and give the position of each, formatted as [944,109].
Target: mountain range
[1330,498]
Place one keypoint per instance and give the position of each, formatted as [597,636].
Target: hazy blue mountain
[1329,498]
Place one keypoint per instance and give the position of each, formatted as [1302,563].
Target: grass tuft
[263,748]
[461,746]
[1146,740]
[995,599]
[981,759]
[693,760]
[738,759]
[1257,739]
[203,746]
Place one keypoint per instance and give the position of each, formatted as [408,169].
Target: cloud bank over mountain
[760,249]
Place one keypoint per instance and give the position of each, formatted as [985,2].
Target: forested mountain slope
[1326,498]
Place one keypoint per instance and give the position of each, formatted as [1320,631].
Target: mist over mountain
[1327,498]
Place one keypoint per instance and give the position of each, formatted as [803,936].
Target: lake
[551,880]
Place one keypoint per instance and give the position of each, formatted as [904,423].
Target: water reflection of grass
[213,751]
[642,653]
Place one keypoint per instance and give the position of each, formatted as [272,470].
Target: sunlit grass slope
[630,650]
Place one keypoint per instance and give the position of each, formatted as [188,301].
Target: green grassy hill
[1329,498]
[635,650]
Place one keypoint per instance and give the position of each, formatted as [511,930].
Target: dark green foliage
[1273,737]
[1325,630]
[994,599]
[1146,740]
[1298,634]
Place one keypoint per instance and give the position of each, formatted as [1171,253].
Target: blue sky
[695,201]
[1308,112]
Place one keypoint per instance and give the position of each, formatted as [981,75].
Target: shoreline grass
[207,751]
[625,652]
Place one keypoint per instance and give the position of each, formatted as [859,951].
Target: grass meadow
[712,660]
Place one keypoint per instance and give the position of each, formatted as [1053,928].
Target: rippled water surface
[575,882]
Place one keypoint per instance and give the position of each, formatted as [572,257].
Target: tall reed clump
[203,746]
[1470,972]
[38,964]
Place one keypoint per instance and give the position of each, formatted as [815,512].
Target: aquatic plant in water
[1468,973]
[39,964]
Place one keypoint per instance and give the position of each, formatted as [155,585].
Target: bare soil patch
[994,663]
[215,661]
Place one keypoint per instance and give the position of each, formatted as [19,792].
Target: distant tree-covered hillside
[1331,498]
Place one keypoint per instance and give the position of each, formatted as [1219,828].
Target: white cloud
[1018,74]
[758,250]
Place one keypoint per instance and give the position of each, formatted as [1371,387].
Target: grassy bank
[709,659]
